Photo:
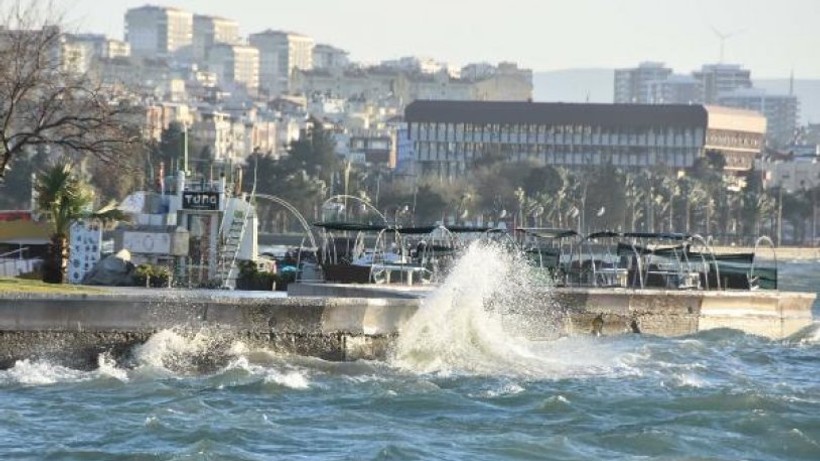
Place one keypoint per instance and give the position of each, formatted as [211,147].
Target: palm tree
[62,197]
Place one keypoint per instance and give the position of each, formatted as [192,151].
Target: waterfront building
[235,65]
[209,31]
[781,111]
[280,53]
[718,79]
[448,136]
[157,31]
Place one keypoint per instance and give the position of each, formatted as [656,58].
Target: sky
[769,37]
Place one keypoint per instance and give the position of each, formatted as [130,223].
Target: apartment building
[157,31]
[280,53]
[235,65]
[209,31]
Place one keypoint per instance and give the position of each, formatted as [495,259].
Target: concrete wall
[76,329]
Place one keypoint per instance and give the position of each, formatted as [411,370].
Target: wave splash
[491,316]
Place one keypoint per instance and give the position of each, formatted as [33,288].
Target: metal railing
[14,266]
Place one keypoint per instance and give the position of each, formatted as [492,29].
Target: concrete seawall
[75,329]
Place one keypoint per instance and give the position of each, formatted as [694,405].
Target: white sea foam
[285,376]
[38,373]
[107,366]
[480,319]
[183,352]
[293,379]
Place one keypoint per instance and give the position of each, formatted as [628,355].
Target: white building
[211,30]
[329,57]
[279,54]
[235,65]
[414,64]
[223,139]
[155,31]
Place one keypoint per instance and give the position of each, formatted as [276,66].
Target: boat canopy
[547,232]
[361,227]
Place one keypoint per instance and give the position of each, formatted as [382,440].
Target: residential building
[415,64]
[448,136]
[718,79]
[637,85]
[114,49]
[373,148]
[158,32]
[235,65]
[211,30]
[280,53]
[86,50]
[781,111]
[379,84]
[220,137]
[507,82]
[329,57]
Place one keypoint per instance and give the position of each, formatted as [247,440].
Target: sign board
[84,252]
[158,243]
[200,201]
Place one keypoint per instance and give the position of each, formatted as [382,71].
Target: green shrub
[152,275]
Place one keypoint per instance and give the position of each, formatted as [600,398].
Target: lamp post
[780,215]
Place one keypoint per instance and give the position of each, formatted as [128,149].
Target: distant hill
[596,85]
[573,85]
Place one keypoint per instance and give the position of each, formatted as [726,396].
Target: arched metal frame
[292,209]
[357,199]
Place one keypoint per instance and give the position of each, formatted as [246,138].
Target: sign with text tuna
[200,201]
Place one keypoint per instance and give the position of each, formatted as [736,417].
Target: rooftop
[506,112]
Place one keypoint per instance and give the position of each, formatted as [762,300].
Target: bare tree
[45,100]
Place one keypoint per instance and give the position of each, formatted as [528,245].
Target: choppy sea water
[458,386]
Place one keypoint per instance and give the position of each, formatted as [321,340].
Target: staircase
[227,272]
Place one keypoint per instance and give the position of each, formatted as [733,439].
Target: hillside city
[412,135]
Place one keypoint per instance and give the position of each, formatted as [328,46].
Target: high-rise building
[638,85]
[211,30]
[781,111]
[155,31]
[329,57]
[279,54]
[716,79]
[235,64]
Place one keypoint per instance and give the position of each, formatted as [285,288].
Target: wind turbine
[723,36]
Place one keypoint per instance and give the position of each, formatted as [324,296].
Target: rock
[113,270]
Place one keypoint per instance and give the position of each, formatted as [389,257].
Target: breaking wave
[494,315]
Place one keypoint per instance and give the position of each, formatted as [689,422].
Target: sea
[460,384]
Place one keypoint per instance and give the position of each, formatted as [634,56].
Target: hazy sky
[770,37]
